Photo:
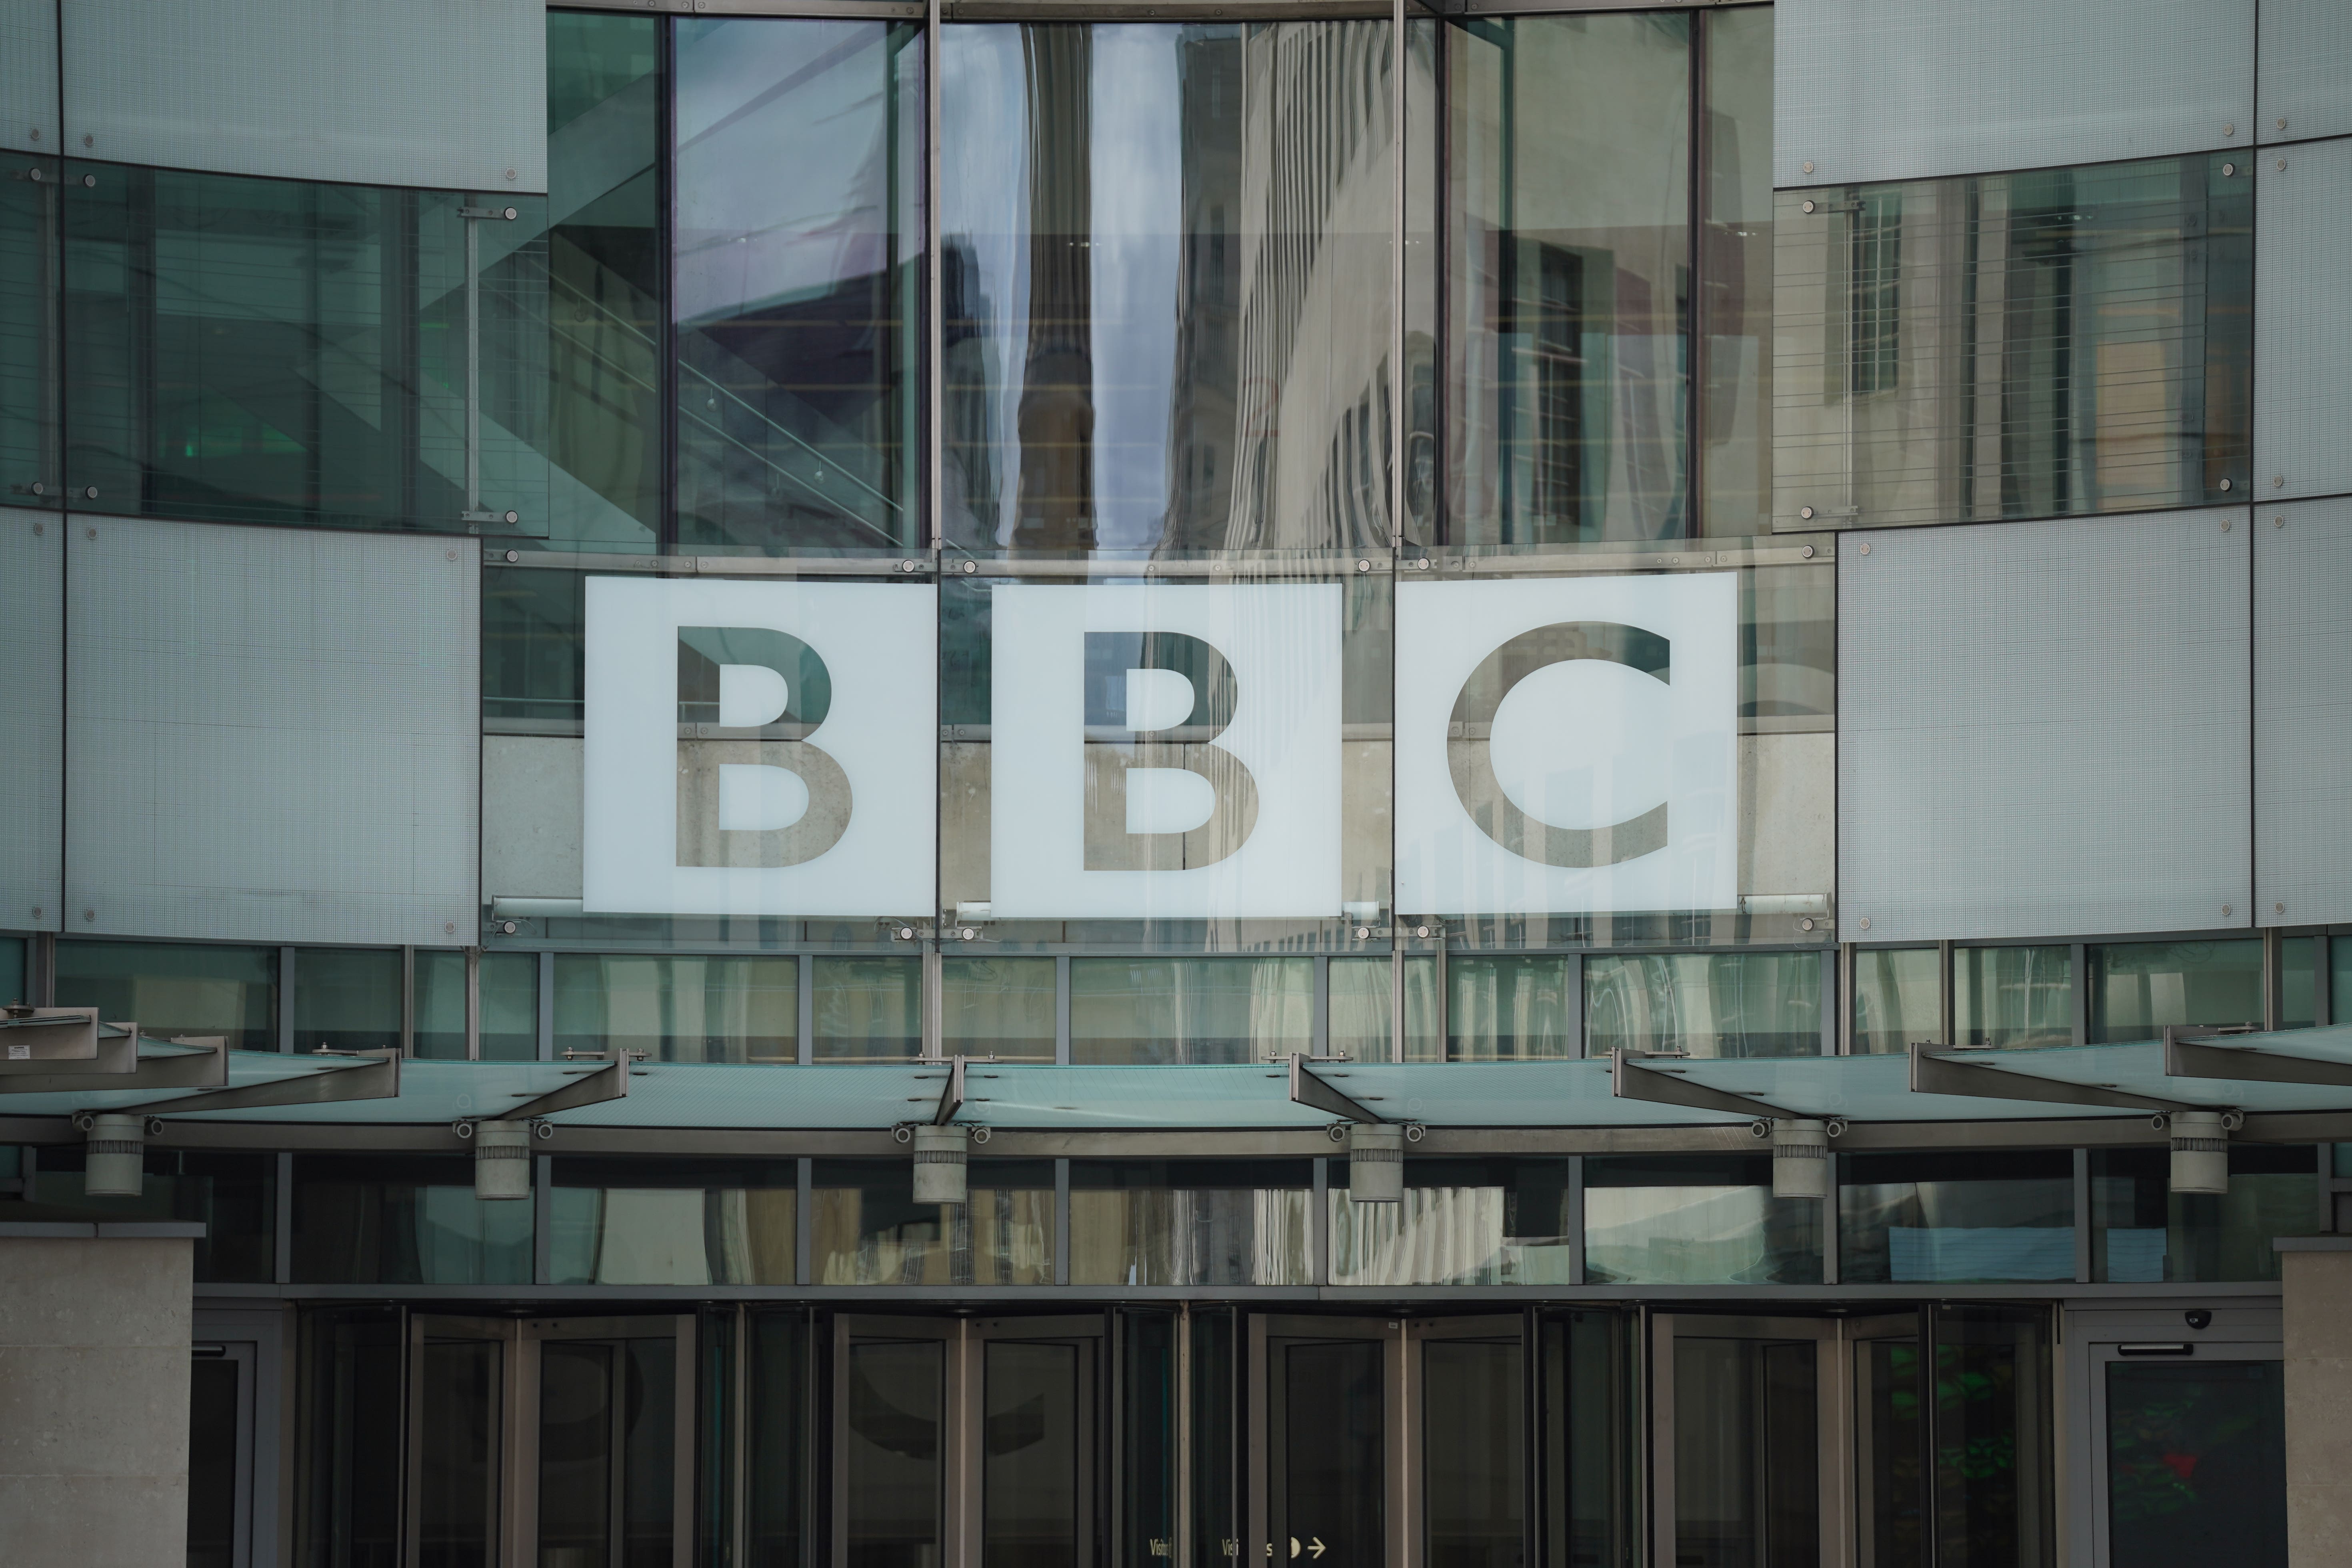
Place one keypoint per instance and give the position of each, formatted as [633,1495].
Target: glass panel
[1327,1435]
[1029,1472]
[798,284]
[891,1453]
[1707,1005]
[1889,1439]
[350,1494]
[603,265]
[998,1006]
[1462,1222]
[681,1009]
[1191,1009]
[1591,1440]
[403,1220]
[1166,271]
[457,1491]
[1474,1468]
[2143,1231]
[1993,1501]
[1747,1453]
[347,999]
[170,989]
[244,349]
[2197,1464]
[1896,1000]
[1363,1003]
[1736,276]
[532,661]
[2014,996]
[781,1455]
[2030,344]
[213,1450]
[1218,1443]
[867,1229]
[1903,1218]
[1689,1221]
[233,1197]
[510,987]
[672,1222]
[575,1454]
[12,967]
[868,1009]
[31,471]
[1190,1222]
[2137,988]
[1510,1009]
[1570,278]
[2298,990]
[648,1446]
[1149,1397]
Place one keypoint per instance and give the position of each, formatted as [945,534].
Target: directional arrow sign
[1317,1546]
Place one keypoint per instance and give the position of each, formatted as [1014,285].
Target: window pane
[2197,1463]
[2014,996]
[603,267]
[1736,276]
[1905,1218]
[1693,1221]
[12,967]
[509,1006]
[244,349]
[1708,1005]
[1191,1009]
[1165,259]
[1190,1222]
[347,999]
[1895,999]
[998,1006]
[440,1005]
[1462,1222]
[174,988]
[672,1222]
[684,1009]
[868,1009]
[2299,961]
[29,455]
[233,1195]
[1517,1008]
[2143,1231]
[867,1229]
[1363,1001]
[403,1220]
[797,256]
[2032,344]
[2137,988]
[1569,151]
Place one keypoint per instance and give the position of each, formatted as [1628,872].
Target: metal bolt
[1363,933]
[1865,923]
[968,934]
[1805,924]
[1421,564]
[1806,512]
[2278,909]
[449,927]
[514,517]
[449,554]
[513,556]
[89,533]
[2228,170]
[1421,930]
[2278,481]
[89,181]
[90,140]
[1809,166]
[970,567]
[2225,484]
[38,529]
[905,933]
[508,928]
[2229,130]
[89,492]
[2225,528]
[2281,165]
[1807,207]
[1808,552]
[1865,549]
[1363,565]
[510,175]
[2225,909]
[89,914]
[2281,121]
[2278,522]
[906,566]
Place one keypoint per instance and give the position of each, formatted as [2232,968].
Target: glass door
[1327,1452]
[604,1443]
[460,1406]
[220,1454]
[2188,1441]
[1748,1423]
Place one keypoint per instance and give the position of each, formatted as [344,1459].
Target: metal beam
[1628,1080]
[593,1086]
[203,1067]
[1940,1074]
[951,1095]
[376,1079]
[2185,1056]
[1317,1094]
[39,1039]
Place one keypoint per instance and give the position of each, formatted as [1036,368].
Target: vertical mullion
[1832,1001]
[1318,1227]
[1575,1219]
[1399,391]
[407,1002]
[1574,1011]
[286,983]
[1062,1009]
[934,329]
[2323,1000]
[282,1222]
[2082,1216]
[1061,1221]
[1695,168]
[2080,964]
[803,1220]
[1319,1032]
[1833,1259]
[665,245]
[546,1026]
[805,1051]
[543,1218]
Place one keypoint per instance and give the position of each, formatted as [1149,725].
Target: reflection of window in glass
[1905,1218]
[176,988]
[866,1229]
[1363,1006]
[1517,1007]
[868,1009]
[403,1220]
[232,1195]
[1191,1009]
[29,455]
[1190,1222]
[1693,1220]
[1735,275]
[1896,1001]
[2137,988]
[347,998]
[2143,1231]
[684,1008]
[1874,274]
[1707,1004]
[998,1006]
[1462,1222]
[2014,996]
[508,997]
[672,1222]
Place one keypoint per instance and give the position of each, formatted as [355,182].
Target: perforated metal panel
[32,710]
[2303,713]
[2043,728]
[447,94]
[1899,89]
[2303,320]
[2307,69]
[28,74]
[271,735]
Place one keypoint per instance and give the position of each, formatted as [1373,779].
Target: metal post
[2274,978]
[1318,1227]
[2082,1216]
[473,383]
[543,1218]
[1575,1219]
[803,1221]
[1061,1221]
[287,981]
[1832,1003]
[806,1051]
[1400,399]
[473,1004]
[282,1222]
[934,1007]
[546,1022]
[1948,996]
[934,329]
[1319,1033]
[407,1001]
[2080,962]
[1062,1009]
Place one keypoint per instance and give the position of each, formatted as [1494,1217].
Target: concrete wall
[94,1400]
[2318,1286]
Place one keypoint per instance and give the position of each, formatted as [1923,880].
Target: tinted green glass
[1515,1008]
[347,998]
[868,1009]
[2197,1464]
[1912,1217]
[1735,291]
[672,1222]
[176,988]
[234,1196]
[685,1008]
[1462,1222]
[1707,1004]
[2137,988]
[1688,1221]
[403,1220]
[2014,996]
[1190,1222]
[510,1002]
[12,967]
[2143,1231]
[1363,1003]
[866,1229]
[998,1006]
[1896,1000]
[31,471]
[243,349]
[1190,1009]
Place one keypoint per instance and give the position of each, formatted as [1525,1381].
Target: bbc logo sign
[1161,750]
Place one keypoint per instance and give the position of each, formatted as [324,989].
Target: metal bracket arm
[1933,1074]
[1318,1094]
[1627,1080]
[49,1039]
[593,1087]
[376,1079]
[2184,1057]
[951,1095]
[119,1067]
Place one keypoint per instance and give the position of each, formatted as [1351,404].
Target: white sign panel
[1568,745]
[759,748]
[1165,750]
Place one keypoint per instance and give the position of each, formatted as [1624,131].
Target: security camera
[2200,1319]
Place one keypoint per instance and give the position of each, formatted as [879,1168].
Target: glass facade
[172,989]
[1964,1217]
[643,1222]
[360,1219]
[2142,1233]
[1190,1222]
[1696,1220]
